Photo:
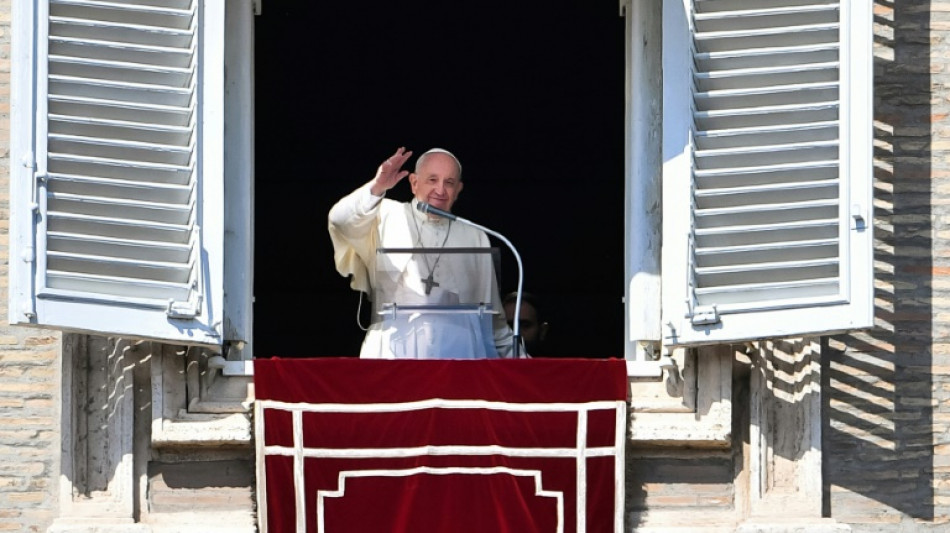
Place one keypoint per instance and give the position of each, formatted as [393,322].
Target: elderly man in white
[364,221]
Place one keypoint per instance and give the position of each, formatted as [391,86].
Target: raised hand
[390,172]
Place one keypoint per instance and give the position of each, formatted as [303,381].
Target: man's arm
[352,216]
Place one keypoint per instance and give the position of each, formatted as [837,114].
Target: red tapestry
[520,446]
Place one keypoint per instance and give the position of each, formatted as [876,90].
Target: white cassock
[360,224]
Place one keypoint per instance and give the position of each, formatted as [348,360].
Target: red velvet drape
[441,446]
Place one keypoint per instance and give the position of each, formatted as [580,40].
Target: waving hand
[390,172]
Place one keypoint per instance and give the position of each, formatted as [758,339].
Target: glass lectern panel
[437,302]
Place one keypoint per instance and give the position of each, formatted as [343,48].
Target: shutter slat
[133,32]
[114,129]
[710,6]
[769,55]
[739,211]
[752,98]
[763,150]
[127,150]
[143,16]
[68,164]
[140,70]
[766,196]
[119,209]
[760,10]
[765,72]
[769,188]
[130,270]
[134,249]
[769,295]
[126,125]
[122,189]
[178,113]
[63,87]
[765,170]
[750,271]
[118,228]
[768,110]
[104,142]
[117,52]
[95,46]
[157,6]
[767,134]
[121,290]
[713,39]
[712,256]
[124,163]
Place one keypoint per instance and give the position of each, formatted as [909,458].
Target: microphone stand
[516,326]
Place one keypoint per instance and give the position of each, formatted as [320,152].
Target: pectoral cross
[429,282]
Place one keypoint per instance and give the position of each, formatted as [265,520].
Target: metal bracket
[702,317]
[188,310]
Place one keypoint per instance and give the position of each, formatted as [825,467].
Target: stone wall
[887,415]
[29,428]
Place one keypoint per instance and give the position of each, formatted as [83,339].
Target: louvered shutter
[767,169]
[117,195]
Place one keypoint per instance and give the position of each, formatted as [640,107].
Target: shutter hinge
[857,214]
[35,200]
[28,161]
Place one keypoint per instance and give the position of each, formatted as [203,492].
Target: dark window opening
[529,96]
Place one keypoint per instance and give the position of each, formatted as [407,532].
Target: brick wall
[887,446]
[29,377]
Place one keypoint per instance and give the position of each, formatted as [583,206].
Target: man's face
[437,182]
[530,329]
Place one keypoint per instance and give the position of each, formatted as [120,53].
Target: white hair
[422,158]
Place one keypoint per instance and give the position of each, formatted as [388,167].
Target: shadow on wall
[879,416]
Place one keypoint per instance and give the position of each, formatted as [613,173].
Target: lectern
[433,303]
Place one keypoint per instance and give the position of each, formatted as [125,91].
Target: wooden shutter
[767,169]
[117,202]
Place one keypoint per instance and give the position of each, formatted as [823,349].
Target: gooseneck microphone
[429,208]
[516,327]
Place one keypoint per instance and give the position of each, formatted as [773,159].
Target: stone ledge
[202,430]
[97,525]
[683,529]
[825,525]
[203,522]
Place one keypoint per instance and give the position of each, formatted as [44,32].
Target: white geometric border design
[580,452]
[483,471]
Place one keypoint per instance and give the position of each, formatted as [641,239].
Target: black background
[528,95]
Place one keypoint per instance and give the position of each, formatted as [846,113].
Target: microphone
[428,208]
[516,326]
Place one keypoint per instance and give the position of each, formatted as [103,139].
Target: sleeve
[504,337]
[351,223]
